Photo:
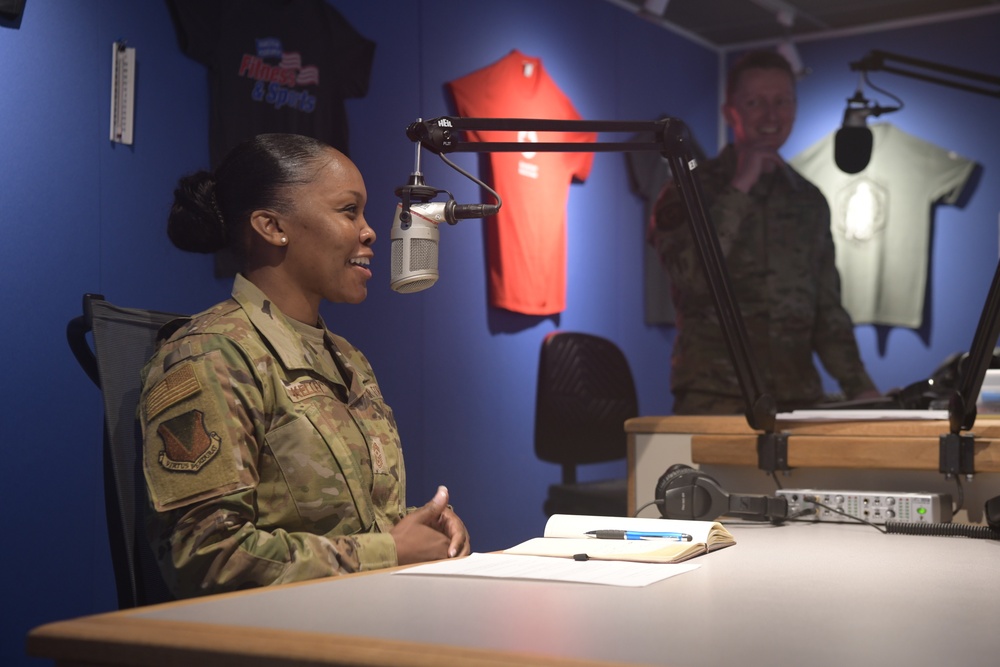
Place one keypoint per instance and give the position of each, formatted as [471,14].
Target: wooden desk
[863,456]
[792,595]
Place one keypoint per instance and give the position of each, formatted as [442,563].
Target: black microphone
[852,144]
[852,149]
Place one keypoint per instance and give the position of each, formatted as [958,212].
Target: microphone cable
[651,502]
[473,179]
[877,110]
[814,499]
[942,530]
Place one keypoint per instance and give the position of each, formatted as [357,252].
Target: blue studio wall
[80,214]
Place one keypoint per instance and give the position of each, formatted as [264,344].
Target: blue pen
[638,535]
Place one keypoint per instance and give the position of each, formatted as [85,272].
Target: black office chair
[123,340]
[585,394]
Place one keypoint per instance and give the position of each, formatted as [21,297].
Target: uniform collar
[275,327]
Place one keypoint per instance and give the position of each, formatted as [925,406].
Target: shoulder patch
[187,444]
[176,386]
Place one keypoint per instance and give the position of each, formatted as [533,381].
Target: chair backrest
[585,394]
[123,341]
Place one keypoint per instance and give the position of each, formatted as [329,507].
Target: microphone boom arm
[956,450]
[673,139]
[876,60]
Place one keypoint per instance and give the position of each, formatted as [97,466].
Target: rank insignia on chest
[187,443]
[378,457]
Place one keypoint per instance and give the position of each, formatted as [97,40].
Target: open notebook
[566,536]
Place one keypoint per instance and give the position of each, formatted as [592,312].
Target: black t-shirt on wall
[274,66]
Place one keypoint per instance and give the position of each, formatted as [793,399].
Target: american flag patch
[178,385]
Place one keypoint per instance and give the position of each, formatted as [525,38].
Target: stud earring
[284,240]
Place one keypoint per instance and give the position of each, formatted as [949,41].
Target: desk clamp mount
[957,449]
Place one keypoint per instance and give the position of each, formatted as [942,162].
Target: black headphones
[685,493]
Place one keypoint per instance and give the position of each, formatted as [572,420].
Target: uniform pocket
[318,478]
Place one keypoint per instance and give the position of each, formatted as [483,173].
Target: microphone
[415,235]
[414,260]
[852,145]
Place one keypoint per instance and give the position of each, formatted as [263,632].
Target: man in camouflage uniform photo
[773,227]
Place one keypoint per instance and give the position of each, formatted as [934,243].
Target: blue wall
[79,214]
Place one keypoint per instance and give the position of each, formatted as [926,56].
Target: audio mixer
[873,506]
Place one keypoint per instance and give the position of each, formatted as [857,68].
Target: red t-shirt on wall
[526,241]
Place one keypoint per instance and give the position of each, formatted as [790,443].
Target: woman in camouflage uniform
[269,453]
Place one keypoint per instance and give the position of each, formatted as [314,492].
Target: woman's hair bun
[196,223]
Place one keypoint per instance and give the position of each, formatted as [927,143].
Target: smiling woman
[320,247]
[269,453]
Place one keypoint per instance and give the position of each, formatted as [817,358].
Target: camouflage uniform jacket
[267,459]
[780,257]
